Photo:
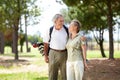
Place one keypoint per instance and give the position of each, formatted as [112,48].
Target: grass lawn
[97,54]
[39,60]
[36,59]
[24,76]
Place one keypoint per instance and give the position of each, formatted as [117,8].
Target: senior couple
[67,51]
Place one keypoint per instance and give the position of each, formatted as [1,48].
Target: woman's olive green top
[74,48]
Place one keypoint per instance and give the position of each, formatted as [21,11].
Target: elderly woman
[76,47]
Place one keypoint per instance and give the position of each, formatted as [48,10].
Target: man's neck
[58,27]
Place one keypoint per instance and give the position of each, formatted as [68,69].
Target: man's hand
[46,47]
[83,38]
[46,59]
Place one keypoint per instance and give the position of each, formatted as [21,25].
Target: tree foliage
[66,16]
[11,12]
[96,14]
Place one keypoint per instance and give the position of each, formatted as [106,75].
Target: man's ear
[55,21]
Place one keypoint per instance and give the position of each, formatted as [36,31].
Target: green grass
[97,54]
[24,76]
[34,52]
[39,60]
[117,54]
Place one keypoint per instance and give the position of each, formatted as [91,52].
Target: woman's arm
[84,55]
[84,52]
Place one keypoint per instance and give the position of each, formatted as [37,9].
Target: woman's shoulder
[81,37]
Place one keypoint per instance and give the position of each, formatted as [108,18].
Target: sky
[49,9]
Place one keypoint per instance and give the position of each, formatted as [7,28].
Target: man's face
[59,22]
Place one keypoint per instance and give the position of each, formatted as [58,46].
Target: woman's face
[72,27]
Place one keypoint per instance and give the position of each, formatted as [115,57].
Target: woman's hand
[85,66]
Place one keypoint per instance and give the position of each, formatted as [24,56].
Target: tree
[21,40]
[65,13]
[2,28]
[30,14]
[99,39]
[12,12]
[94,22]
[1,43]
[109,8]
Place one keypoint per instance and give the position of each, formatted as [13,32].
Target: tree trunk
[16,27]
[102,49]
[100,40]
[110,20]
[1,43]
[12,45]
[15,42]
[21,48]
[26,33]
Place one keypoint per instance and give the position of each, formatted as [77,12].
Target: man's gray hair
[56,17]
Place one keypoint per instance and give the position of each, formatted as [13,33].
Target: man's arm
[46,47]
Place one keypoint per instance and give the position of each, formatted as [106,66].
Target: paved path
[29,68]
[21,66]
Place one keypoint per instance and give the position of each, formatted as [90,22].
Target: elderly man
[54,43]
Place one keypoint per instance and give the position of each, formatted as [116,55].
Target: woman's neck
[73,35]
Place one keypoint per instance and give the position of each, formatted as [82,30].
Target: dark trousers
[57,61]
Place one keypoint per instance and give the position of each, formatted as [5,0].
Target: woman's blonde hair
[77,23]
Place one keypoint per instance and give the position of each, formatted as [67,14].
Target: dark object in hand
[40,47]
